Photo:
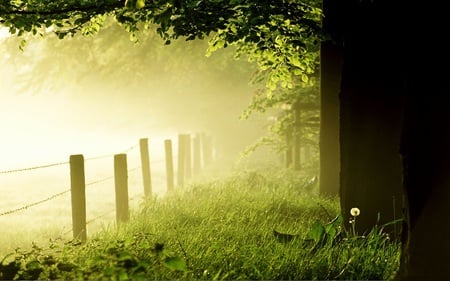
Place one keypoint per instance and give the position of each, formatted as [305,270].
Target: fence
[193,153]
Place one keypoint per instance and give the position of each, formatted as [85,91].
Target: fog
[87,95]
[98,96]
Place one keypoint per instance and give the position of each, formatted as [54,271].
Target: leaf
[283,237]
[175,263]
[140,4]
[295,61]
[305,78]
[316,232]
[123,275]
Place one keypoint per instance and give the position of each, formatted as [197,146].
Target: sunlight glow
[3,33]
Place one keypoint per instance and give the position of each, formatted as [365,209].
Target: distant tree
[281,37]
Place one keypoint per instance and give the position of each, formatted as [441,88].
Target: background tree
[169,89]
[281,37]
[331,59]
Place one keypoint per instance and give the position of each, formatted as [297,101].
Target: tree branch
[91,8]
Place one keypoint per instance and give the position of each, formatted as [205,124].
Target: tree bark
[396,79]
[370,160]
[426,158]
[330,65]
[331,59]
[371,102]
[425,150]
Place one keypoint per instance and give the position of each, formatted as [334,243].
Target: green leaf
[295,61]
[140,4]
[123,276]
[316,232]
[305,78]
[175,263]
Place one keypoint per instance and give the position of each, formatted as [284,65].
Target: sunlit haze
[98,96]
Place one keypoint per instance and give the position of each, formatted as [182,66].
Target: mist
[87,95]
[98,96]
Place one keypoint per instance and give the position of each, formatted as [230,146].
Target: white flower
[355,212]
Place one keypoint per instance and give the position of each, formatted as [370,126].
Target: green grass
[221,229]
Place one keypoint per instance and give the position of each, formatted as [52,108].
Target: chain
[34,204]
[110,155]
[130,148]
[62,163]
[34,168]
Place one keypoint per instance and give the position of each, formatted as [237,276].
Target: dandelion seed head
[355,212]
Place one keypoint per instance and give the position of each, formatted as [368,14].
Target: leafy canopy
[280,32]
[281,36]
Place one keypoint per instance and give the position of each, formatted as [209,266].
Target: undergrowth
[249,226]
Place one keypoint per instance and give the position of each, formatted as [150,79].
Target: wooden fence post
[78,197]
[197,155]
[121,186]
[181,160]
[145,165]
[188,156]
[169,164]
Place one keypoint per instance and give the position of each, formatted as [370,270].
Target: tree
[395,123]
[330,78]
[282,37]
[382,96]
[370,105]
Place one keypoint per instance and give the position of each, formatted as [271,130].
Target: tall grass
[249,226]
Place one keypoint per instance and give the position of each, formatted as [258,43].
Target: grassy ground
[249,226]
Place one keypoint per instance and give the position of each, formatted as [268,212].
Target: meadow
[53,218]
[250,225]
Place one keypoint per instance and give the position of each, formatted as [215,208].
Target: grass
[249,226]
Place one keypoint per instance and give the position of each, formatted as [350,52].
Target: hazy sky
[102,94]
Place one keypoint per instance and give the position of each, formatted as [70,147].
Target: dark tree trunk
[426,150]
[331,65]
[370,159]
[330,80]
[370,116]
[395,79]
[426,160]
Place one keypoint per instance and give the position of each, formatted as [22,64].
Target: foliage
[133,257]
[224,229]
[295,112]
[282,37]
[110,60]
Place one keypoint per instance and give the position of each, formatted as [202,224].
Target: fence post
[169,164]
[188,156]
[145,165]
[78,197]
[181,160]
[121,186]
[197,155]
